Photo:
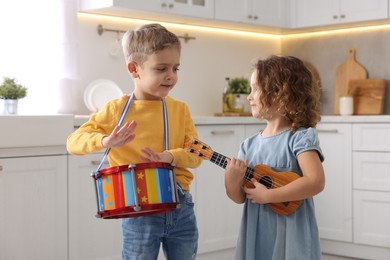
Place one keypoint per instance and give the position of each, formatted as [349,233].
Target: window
[32,52]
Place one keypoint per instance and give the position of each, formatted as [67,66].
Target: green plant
[9,89]
[239,86]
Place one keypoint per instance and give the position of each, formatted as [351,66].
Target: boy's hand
[120,135]
[151,156]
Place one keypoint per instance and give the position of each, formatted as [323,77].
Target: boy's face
[157,75]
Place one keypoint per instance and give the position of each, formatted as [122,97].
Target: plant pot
[10,107]
[235,103]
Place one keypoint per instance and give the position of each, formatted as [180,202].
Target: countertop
[213,120]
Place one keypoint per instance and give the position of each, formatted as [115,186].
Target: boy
[152,56]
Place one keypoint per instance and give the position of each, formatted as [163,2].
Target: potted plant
[11,92]
[235,96]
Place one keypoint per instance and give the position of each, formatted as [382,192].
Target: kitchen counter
[212,120]
[34,130]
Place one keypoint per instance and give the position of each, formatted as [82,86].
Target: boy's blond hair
[139,43]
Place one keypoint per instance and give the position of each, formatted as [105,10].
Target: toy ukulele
[264,174]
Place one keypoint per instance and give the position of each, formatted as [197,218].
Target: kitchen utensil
[349,69]
[99,92]
[368,94]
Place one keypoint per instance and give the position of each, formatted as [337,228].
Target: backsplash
[328,51]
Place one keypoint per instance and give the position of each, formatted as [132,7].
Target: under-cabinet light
[282,35]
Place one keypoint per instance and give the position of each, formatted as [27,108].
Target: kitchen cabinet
[254,129]
[352,212]
[371,184]
[89,237]
[33,202]
[334,204]
[260,12]
[140,8]
[218,217]
[309,13]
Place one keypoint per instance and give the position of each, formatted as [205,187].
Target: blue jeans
[176,230]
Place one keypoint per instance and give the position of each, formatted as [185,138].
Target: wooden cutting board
[368,96]
[349,69]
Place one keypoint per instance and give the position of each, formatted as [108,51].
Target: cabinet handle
[327,131]
[229,132]
[170,5]
[335,17]
[163,5]
[255,17]
[98,162]
[1,167]
[249,16]
[342,16]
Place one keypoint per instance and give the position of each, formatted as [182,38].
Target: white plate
[99,92]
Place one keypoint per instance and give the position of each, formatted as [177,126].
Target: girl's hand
[235,170]
[256,194]
[234,179]
[151,156]
[120,135]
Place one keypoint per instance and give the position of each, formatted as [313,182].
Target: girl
[284,94]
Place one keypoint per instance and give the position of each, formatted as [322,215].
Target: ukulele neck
[220,160]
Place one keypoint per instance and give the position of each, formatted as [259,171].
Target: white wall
[205,61]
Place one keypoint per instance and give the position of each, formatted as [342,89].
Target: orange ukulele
[264,174]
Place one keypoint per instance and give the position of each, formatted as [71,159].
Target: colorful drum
[136,190]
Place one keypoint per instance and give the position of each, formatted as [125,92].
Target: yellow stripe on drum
[151,185]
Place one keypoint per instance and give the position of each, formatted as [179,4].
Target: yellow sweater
[149,133]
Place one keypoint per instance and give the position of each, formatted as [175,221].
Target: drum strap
[122,118]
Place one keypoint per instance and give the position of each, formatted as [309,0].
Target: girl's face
[254,96]
[157,75]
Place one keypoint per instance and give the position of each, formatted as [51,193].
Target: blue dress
[264,234]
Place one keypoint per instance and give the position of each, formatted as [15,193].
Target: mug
[346,106]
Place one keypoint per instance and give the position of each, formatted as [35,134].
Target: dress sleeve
[306,140]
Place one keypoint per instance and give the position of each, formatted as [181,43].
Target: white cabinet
[327,12]
[371,184]
[253,129]
[371,218]
[260,12]
[33,207]
[334,204]
[137,8]
[218,217]
[89,237]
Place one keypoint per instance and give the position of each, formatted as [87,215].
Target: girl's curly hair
[286,86]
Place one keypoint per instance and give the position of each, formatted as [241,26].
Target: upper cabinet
[252,15]
[260,12]
[307,13]
[137,8]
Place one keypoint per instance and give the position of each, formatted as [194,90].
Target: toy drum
[136,190]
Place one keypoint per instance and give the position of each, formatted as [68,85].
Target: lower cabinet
[371,184]
[218,217]
[353,210]
[90,238]
[33,208]
[334,204]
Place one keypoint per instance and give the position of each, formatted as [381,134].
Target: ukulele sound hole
[266,181]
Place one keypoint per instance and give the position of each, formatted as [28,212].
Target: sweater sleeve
[88,138]
[183,158]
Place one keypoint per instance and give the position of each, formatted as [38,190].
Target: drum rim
[140,166]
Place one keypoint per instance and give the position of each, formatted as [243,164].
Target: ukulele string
[220,160]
